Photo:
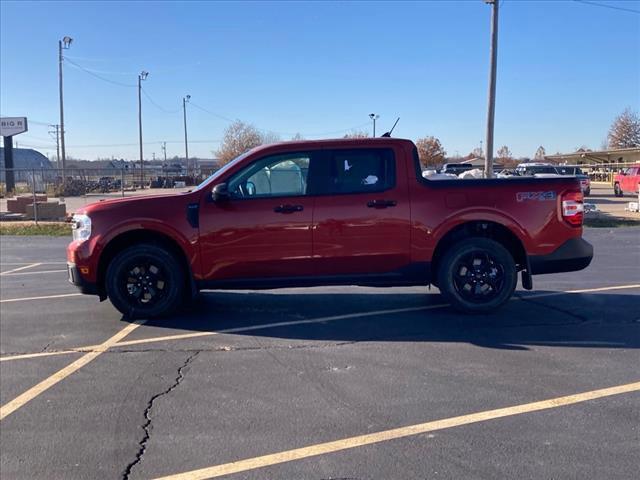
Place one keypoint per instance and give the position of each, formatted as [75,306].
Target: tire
[477,275]
[128,272]
[617,191]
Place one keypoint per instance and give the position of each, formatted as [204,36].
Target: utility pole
[186,145]
[374,117]
[56,132]
[141,76]
[493,60]
[164,150]
[63,44]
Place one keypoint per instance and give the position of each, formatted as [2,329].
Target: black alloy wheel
[477,275]
[145,281]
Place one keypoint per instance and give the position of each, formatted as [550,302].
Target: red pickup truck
[330,212]
[627,181]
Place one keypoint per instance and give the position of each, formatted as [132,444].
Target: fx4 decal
[539,196]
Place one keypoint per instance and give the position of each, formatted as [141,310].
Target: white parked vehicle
[540,170]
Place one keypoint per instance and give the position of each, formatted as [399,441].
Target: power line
[98,76]
[106,145]
[158,106]
[613,7]
[36,122]
[210,112]
[280,133]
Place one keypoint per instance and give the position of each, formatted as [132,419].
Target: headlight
[81,227]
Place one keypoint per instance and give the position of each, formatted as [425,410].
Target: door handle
[381,203]
[288,208]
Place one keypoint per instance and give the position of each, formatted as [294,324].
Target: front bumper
[574,254]
[76,279]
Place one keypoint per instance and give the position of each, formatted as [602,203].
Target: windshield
[221,170]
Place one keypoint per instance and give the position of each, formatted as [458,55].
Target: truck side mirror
[220,193]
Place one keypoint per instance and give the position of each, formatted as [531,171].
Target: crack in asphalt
[142,445]
[115,349]
[239,349]
[581,319]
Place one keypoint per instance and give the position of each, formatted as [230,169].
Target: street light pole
[493,59]
[141,76]
[186,144]
[63,44]
[374,117]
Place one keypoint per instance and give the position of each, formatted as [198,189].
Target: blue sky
[565,70]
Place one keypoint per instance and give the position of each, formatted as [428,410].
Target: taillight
[573,208]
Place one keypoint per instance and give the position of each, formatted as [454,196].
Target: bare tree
[430,151]
[604,145]
[356,134]
[476,153]
[240,137]
[504,154]
[269,137]
[505,157]
[297,137]
[625,130]
[540,154]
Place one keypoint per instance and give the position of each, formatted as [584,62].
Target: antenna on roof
[388,134]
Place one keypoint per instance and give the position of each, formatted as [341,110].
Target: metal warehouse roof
[26,158]
[618,155]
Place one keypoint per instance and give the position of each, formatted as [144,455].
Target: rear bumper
[574,254]
[76,279]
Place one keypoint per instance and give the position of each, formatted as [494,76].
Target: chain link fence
[37,191]
[75,182]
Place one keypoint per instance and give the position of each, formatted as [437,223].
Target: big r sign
[10,126]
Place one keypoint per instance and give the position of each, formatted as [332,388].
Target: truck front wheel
[145,281]
[477,275]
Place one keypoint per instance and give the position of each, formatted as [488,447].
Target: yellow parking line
[584,290]
[13,405]
[44,354]
[44,297]
[31,265]
[10,264]
[8,274]
[395,433]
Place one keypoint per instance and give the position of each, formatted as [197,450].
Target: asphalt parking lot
[340,383]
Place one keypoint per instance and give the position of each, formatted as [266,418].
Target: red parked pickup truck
[627,181]
[331,212]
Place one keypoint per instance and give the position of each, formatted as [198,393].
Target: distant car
[455,168]
[585,181]
[507,173]
[627,181]
[536,169]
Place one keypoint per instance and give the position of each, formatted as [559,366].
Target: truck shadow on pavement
[565,320]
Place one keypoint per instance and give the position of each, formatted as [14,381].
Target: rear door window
[360,171]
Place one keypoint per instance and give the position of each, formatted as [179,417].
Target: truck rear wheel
[145,281]
[617,191]
[477,275]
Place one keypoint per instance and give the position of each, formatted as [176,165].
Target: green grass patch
[610,222]
[53,229]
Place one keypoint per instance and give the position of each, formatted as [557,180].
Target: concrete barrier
[47,211]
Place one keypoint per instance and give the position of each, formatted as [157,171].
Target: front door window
[273,176]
